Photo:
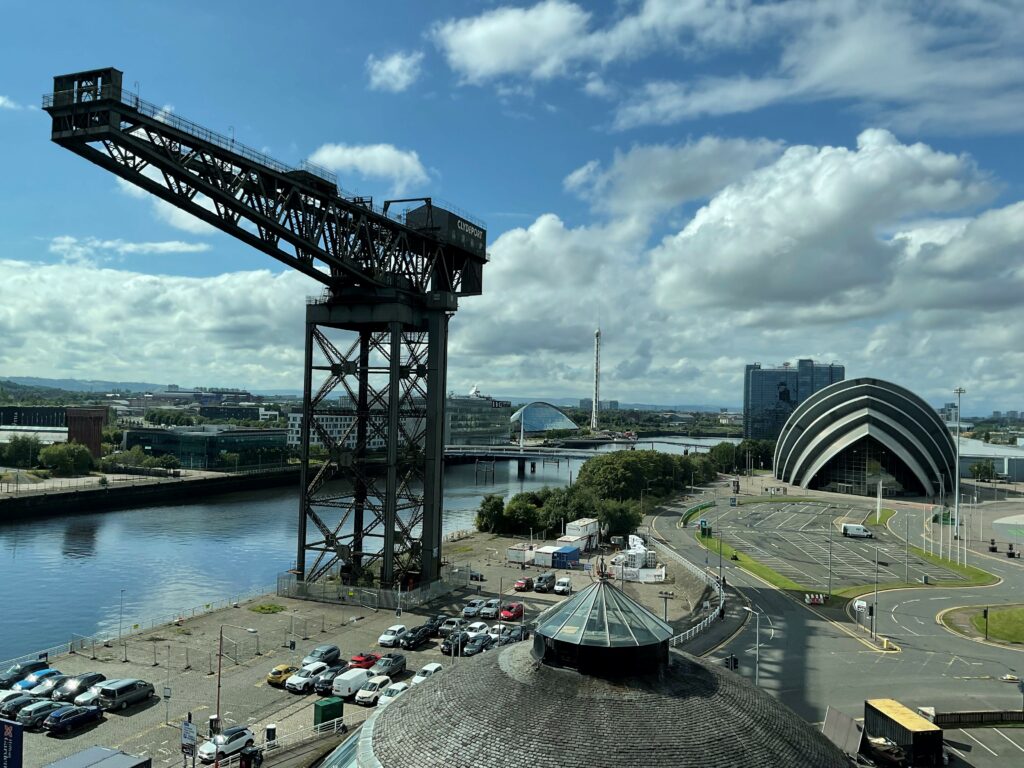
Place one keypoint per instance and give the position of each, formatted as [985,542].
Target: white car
[390,636]
[429,670]
[303,680]
[496,631]
[229,742]
[372,689]
[391,693]
[477,628]
[490,609]
[563,586]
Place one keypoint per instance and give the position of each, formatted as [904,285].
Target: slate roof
[602,615]
[503,708]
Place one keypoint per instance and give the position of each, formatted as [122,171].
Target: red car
[512,611]
[364,660]
[524,585]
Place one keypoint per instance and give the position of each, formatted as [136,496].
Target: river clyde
[64,575]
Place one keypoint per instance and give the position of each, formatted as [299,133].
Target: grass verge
[883,518]
[1006,624]
[975,577]
[266,608]
[774,578]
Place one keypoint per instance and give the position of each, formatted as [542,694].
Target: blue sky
[715,183]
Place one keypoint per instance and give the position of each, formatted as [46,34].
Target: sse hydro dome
[854,434]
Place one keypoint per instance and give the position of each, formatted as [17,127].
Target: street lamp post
[757,644]
[956,517]
[220,657]
[120,619]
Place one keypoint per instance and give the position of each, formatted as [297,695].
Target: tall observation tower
[597,381]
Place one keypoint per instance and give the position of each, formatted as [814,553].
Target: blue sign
[10,744]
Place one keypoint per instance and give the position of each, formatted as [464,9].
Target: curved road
[811,663]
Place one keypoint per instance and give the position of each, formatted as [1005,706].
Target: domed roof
[542,417]
[504,708]
[602,615]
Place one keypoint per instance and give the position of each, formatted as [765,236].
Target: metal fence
[712,582]
[109,639]
[332,590]
[985,717]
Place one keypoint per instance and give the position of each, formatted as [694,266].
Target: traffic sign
[188,737]
[167,691]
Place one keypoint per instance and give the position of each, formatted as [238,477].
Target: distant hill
[85,385]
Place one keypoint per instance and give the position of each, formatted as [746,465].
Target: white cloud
[166,212]
[395,72]
[648,180]
[237,329]
[92,249]
[374,161]
[6,103]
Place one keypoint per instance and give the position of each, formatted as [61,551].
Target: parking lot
[160,656]
[793,539]
[985,747]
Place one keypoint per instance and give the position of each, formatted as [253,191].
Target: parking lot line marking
[1018,746]
[988,749]
[950,746]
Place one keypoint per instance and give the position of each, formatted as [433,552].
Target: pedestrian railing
[716,588]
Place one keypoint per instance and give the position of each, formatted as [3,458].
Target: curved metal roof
[602,615]
[835,417]
[541,417]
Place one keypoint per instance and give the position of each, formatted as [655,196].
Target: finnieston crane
[392,282]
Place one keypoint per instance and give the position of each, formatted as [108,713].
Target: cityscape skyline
[680,210]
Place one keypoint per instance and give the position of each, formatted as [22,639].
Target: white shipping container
[542,557]
[585,526]
[573,541]
[519,553]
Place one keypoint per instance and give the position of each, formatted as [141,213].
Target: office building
[476,419]
[771,394]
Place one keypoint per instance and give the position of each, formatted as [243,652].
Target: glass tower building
[770,395]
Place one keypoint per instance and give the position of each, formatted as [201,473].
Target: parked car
[328,654]
[371,691]
[428,671]
[563,586]
[364,660]
[472,608]
[124,693]
[349,682]
[544,583]
[478,644]
[279,674]
[68,719]
[304,679]
[390,664]
[512,611]
[434,623]
[10,708]
[30,681]
[490,609]
[323,684]
[390,635]
[496,631]
[46,688]
[35,713]
[524,584]
[18,672]
[513,635]
[452,625]
[472,575]
[477,628]
[232,740]
[8,695]
[91,697]
[454,643]
[74,686]
[391,693]
[414,638]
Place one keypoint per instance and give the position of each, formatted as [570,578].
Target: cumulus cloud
[91,249]
[166,212]
[6,103]
[648,180]
[394,73]
[374,161]
[238,329]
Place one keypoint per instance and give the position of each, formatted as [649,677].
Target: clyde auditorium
[849,436]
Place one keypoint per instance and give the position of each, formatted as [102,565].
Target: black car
[513,635]
[69,719]
[10,708]
[74,686]
[18,672]
[478,644]
[414,638]
[434,623]
[323,684]
[454,644]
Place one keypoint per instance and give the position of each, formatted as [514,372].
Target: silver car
[89,698]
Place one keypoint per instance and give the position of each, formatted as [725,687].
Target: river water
[68,574]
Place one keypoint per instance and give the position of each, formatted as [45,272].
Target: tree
[66,459]
[23,452]
[982,470]
[619,518]
[723,456]
[521,514]
[489,514]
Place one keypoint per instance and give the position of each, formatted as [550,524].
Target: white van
[348,682]
[857,531]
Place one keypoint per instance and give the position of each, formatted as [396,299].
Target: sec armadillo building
[852,435]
